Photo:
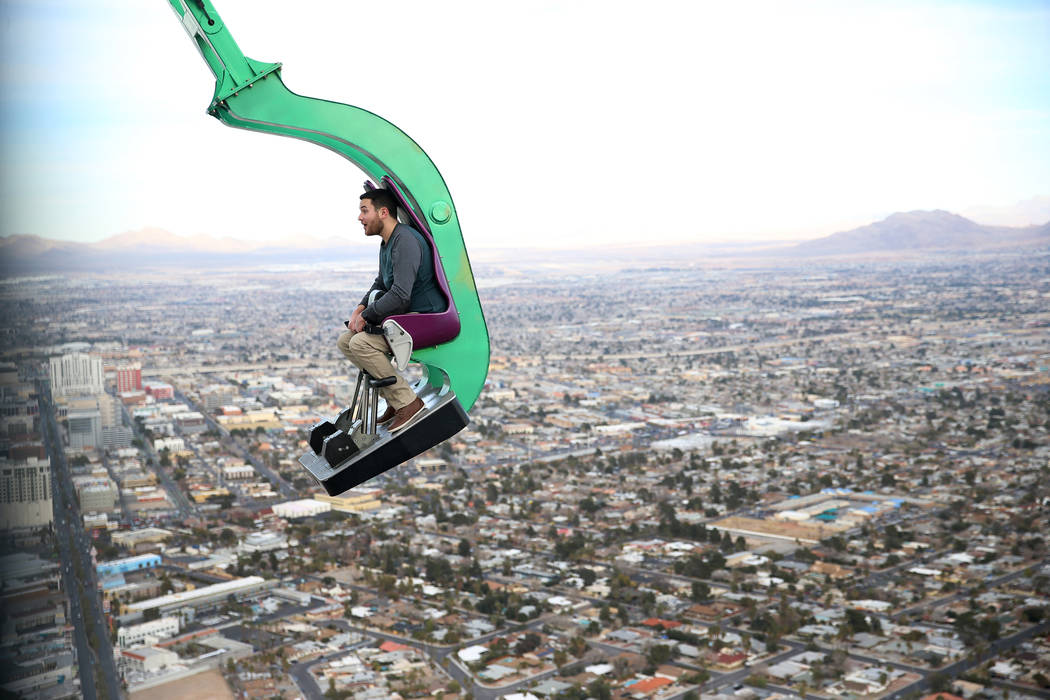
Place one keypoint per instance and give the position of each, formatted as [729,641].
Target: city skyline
[748,123]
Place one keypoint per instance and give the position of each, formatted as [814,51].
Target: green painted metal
[251,95]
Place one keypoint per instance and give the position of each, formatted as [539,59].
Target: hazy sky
[554,123]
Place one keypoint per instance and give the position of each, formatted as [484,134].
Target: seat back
[432,329]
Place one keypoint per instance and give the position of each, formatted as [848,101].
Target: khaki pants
[369,352]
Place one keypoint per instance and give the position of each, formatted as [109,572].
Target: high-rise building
[25,493]
[97,494]
[96,421]
[110,408]
[38,641]
[129,377]
[116,437]
[216,396]
[18,411]
[76,373]
[85,428]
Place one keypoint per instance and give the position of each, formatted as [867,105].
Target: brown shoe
[407,414]
[387,416]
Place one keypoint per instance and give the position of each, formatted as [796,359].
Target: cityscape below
[740,478]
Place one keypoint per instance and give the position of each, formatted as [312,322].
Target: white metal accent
[400,342]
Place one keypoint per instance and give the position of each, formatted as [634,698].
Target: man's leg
[344,344]
[368,352]
[344,347]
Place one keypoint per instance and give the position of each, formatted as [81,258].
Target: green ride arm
[251,95]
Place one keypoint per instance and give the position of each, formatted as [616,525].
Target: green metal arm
[251,95]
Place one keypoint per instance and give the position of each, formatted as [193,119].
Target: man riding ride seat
[405,284]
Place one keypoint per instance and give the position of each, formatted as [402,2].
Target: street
[93,651]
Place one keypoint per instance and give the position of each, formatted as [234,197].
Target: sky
[554,124]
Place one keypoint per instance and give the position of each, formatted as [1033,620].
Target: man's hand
[357,322]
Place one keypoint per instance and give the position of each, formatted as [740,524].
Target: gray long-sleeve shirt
[406,278]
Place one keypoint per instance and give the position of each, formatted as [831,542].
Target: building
[217,395]
[127,565]
[110,408]
[76,374]
[148,632]
[190,422]
[133,539]
[36,635]
[137,479]
[147,659]
[129,377]
[159,390]
[96,494]
[265,418]
[187,603]
[46,675]
[85,428]
[264,541]
[117,437]
[18,411]
[171,444]
[238,471]
[304,508]
[25,493]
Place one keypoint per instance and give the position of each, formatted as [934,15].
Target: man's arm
[377,285]
[406,257]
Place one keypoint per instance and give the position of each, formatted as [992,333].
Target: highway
[94,652]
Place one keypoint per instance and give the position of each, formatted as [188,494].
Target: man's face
[369,218]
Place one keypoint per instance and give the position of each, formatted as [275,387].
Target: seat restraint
[400,342]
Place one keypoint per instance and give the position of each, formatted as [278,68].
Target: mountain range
[929,231]
[902,233]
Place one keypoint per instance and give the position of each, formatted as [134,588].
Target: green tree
[659,654]
[701,591]
[599,689]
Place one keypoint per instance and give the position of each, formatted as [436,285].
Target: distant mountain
[154,248]
[157,248]
[921,230]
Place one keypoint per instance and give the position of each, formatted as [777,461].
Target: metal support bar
[357,392]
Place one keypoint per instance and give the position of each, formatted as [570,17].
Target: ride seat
[424,330]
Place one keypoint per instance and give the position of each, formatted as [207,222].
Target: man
[405,284]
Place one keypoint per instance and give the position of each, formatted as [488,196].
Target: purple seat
[431,329]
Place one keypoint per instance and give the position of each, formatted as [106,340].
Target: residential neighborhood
[692,480]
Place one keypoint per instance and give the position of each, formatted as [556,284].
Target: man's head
[378,212]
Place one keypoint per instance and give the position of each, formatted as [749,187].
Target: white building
[187,602]
[238,471]
[301,509]
[25,493]
[148,659]
[148,632]
[76,373]
[172,444]
[264,541]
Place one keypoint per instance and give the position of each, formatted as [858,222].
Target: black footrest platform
[444,418]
